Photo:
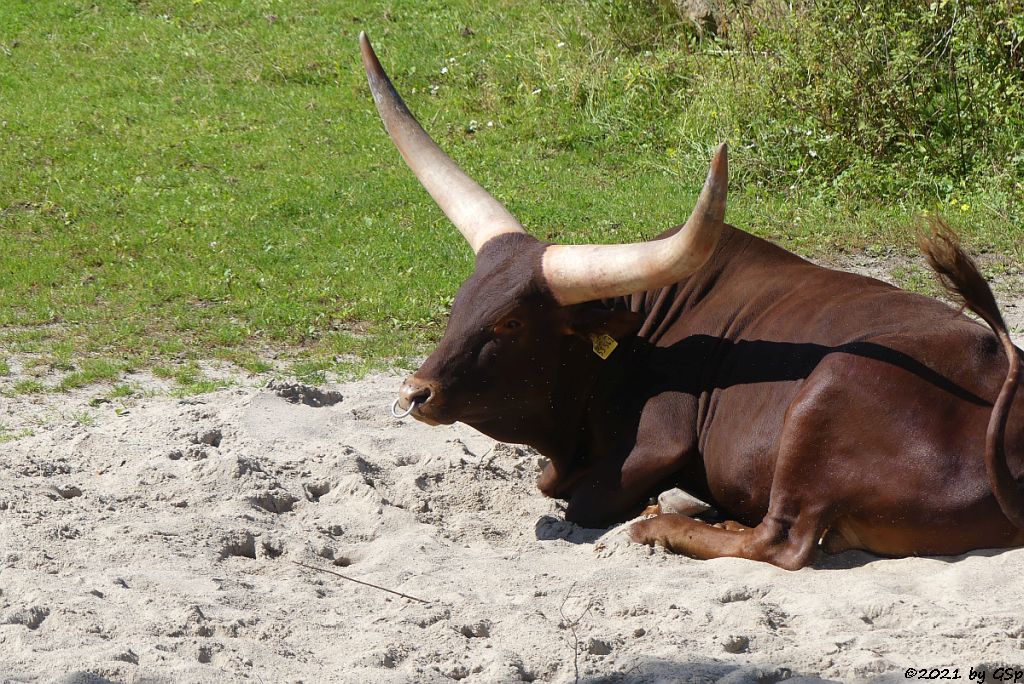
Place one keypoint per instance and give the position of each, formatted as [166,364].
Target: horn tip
[718,172]
[371,64]
[720,161]
[364,46]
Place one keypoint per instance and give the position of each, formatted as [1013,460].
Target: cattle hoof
[651,511]
[677,501]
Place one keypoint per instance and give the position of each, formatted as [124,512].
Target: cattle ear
[589,320]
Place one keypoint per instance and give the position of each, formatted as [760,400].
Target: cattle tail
[960,277]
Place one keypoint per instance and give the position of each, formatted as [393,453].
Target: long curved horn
[581,273]
[476,214]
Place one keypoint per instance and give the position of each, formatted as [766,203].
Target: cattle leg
[789,544]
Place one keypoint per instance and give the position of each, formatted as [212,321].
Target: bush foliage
[856,97]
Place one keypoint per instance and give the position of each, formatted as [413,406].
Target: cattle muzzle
[415,395]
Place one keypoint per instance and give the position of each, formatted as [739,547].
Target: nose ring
[412,407]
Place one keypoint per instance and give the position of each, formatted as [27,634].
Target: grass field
[195,179]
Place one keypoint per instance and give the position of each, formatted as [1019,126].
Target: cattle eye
[510,325]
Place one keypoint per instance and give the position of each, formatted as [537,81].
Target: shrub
[851,96]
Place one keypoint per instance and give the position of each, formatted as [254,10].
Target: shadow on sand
[549,527]
[651,671]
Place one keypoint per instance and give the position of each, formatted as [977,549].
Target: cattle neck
[661,309]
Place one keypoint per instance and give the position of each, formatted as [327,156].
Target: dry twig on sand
[571,626]
[353,579]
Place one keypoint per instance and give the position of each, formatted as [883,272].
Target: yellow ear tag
[604,345]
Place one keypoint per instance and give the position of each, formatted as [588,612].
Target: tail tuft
[958,273]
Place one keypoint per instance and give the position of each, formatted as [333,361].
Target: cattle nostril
[414,392]
[422,396]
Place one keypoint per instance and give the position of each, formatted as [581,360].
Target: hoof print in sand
[240,544]
[736,644]
[331,530]
[272,549]
[298,393]
[32,617]
[246,466]
[327,553]
[389,658]
[477,630]
[314,490]
[44,468]
[204,654]
[193,452]
[742,593]
[275,501]
[393,656]
[211,437]
[65,531]
[68,491]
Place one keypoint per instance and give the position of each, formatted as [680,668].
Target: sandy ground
[161,542]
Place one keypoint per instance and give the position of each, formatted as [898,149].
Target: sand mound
[161,544]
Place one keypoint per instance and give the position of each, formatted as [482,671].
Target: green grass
[27,386]
[121,391]
[7,435]
[195,179]
[191,380]
[246,360]
[84,418]
[189,377]
[91,371]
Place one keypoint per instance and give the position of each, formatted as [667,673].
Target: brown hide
[813,404]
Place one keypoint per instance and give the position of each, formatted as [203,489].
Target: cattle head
[529,314]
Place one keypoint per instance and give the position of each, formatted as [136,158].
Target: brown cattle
[819,409]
